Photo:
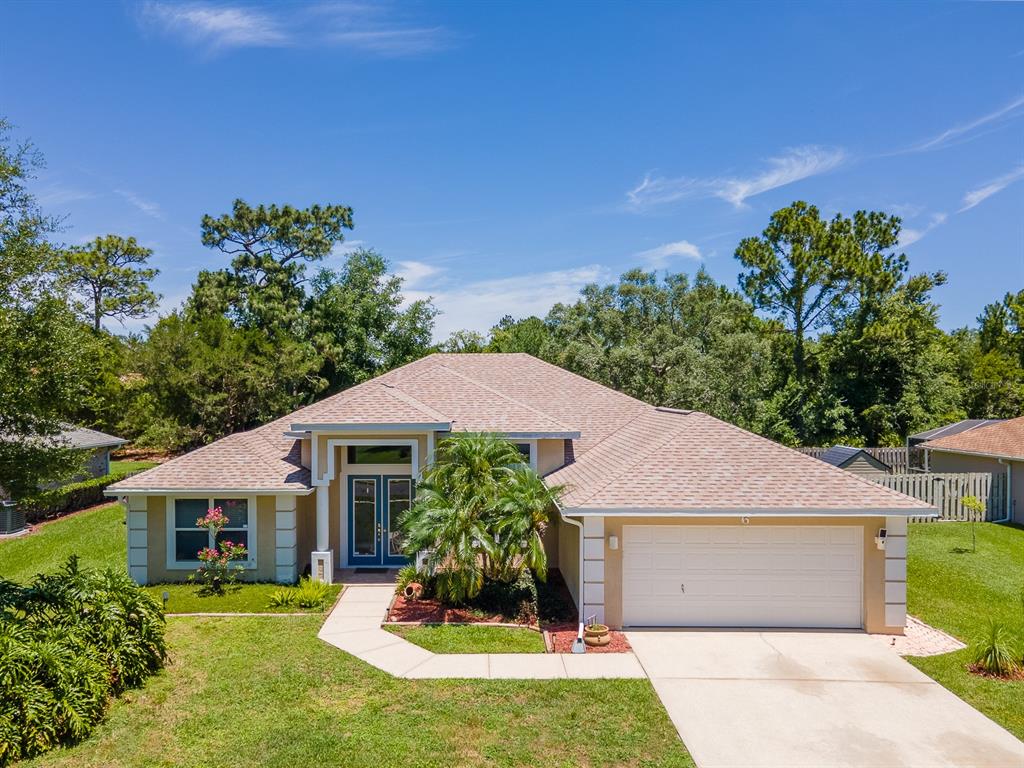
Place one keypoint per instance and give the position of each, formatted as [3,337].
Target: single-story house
[668,518]
[98,444]
[996,447]
[915,442]
[855,460]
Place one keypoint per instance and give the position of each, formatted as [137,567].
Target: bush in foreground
[70,641]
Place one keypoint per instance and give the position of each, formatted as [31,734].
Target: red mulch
[563,635]
[433,612]
[1016,674]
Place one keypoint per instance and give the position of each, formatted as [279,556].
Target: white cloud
[361,27]
[659,257]
[1008,110]
[910,235]
[478,304]
[60,194]
[792,165]
[147,207]
[982,193]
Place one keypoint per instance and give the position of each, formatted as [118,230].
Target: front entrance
[376,504]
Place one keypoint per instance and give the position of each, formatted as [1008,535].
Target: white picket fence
[945,490]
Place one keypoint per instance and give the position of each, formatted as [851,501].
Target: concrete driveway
[790,699]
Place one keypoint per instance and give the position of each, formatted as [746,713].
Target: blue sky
[502,155]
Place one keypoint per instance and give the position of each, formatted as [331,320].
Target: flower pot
[596,635]
[413,590]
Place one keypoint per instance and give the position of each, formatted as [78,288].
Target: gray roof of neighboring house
[841,455]
[83,437]
[954,429]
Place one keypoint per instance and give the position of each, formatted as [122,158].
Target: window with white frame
[185,539]
[529,450]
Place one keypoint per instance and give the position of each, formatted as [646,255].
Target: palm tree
[479,513]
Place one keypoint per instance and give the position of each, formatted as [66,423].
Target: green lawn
[97,536]
[247,598]
[472,638]
[957,590]
[131,466]
[265,691]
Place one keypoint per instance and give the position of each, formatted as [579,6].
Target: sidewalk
[354,627]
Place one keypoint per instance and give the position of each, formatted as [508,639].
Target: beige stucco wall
[874,560]
[305,531]
[940,461]
[156,540]
[550,455]
[569,556]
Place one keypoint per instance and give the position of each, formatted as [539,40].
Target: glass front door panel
[399,501]
[364,518]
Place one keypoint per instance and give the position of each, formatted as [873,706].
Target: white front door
[742,576]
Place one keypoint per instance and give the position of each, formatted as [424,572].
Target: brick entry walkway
[921,639]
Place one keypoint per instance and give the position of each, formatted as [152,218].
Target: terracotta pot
[596,635]
[413,590]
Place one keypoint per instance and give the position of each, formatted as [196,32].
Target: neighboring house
[996,447]
[670,518]
[855,460]
[915,442]
[98,444]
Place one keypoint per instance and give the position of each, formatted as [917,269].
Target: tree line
[829,337]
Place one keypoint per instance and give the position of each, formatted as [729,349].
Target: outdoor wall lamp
[880,538]
[613,542]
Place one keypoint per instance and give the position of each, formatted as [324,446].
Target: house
[669,517]
[855,460]
[914,442]
[996,447]
[98,444]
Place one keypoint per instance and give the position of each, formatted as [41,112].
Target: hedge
[54,502]
[69,642]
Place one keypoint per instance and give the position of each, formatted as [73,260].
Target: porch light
[613,542]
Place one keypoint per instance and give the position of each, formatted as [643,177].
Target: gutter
[579,525]
[1009,491]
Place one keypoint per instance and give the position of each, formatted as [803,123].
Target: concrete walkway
[764,699]
[354,627]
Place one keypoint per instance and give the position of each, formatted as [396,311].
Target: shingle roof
[83,438]
[695,462]
[1004,439]
[947,430]
[628,453]
[841,455]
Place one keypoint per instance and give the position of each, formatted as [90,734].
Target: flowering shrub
[220,567]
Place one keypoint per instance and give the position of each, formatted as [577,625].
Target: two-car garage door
[742,576]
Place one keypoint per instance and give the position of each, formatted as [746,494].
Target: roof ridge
[503,396]
[393,390]
[640,456]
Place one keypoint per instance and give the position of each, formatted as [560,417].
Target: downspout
[579,583]
[1009,491]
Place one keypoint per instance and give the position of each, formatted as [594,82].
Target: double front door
[376,504]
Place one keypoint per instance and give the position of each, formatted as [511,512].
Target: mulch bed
[1017,674]
[563,635]
[433,612]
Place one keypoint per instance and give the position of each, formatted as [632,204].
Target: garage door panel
[773,576]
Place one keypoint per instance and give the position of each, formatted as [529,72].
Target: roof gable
[1003,439]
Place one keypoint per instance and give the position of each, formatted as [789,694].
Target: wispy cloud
[791,166]
[984,192]
[368,28]
[478,304]
[909,235]
[147,207]
[659,257]
[60,194]
[964,131]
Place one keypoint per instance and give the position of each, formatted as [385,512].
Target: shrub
[512,599]
[283,598]
[407,574]
[219,569]
[993,652]
[68,642]
[311,594]
[54,502]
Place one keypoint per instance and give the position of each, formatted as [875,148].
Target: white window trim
[191,565]
[333,443]
[533,450]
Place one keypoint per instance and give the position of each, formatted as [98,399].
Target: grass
[96,535]
[957,590]
[131,466]
[472,638]
[264,691]
[247,598]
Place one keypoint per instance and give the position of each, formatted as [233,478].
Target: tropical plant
[311,594]
[282,598]
[479,513]
[220,568]
[994,651]
[68,642]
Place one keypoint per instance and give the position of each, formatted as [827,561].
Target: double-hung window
[185,539]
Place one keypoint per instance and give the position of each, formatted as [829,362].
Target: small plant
[406,574]
[976,507]
[993,652]
[283,598]
[311,594]
[220,568]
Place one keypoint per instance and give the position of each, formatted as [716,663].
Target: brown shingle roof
[1004,439]
[628,454]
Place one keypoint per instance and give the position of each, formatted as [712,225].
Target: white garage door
[741,576]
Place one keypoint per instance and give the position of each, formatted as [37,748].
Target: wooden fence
[944,491]
[894,457]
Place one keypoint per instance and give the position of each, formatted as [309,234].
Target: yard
[957,590]
[472,638]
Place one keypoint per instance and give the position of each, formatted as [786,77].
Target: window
[380,454]
[185,539]
[529,451]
